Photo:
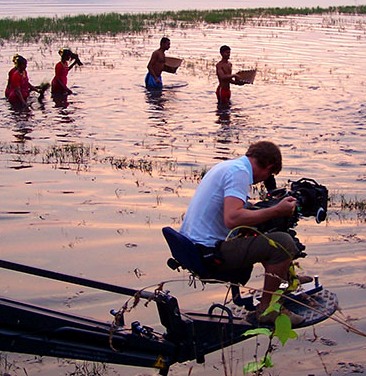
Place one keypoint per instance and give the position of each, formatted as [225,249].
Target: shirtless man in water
[156,65]
[225,76]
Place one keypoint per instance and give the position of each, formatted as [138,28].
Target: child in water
[59,82]
[19,87]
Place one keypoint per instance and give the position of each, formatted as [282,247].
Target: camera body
[312,198]
[312,201]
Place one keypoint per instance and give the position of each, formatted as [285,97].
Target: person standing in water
[225,77]
[62,68]
[12,70]
[156,64]
[19,87]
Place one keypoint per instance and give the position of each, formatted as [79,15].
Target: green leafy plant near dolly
[282,330]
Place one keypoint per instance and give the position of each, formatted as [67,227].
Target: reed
[33,29]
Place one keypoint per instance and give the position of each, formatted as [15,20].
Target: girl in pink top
[59,82]
[19,86]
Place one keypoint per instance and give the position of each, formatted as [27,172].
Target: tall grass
[32,29]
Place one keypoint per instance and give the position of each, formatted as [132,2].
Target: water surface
[31,8]
[102,222]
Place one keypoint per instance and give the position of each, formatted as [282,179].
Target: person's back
[19,86]
[18,81]
[204,220]
[10,74]
[219,206]
[62,68]
[16,59]
[59,82]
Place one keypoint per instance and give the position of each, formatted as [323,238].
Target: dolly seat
[188,256]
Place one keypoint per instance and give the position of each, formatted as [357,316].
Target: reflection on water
[155,98]
[224,116]
[232,123]
[26,8]
[95,178]
[61,101]
[22,132]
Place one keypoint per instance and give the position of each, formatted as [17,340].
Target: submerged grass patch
[81,157]
[34,29]
[70,154]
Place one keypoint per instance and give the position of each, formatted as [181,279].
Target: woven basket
[172,64]
[247,76]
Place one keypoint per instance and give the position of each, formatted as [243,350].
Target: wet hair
[266,153]
[15,58]
[19,60]
[63,52]
[164,40]
[224,48]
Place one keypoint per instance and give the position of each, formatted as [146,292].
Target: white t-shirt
[204,221]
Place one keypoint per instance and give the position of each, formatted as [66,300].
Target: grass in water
[34,29]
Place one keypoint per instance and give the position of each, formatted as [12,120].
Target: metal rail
[74,280]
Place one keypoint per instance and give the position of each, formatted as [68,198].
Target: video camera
[312,201]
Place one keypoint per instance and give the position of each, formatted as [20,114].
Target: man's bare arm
[236,215]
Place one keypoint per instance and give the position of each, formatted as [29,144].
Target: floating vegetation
[359,206]
[79,156]
[18,149]
[62,156]
[86,368]
[346,208]
[8,367]
[36,29]
[352,204]
[22,155]
[142,164]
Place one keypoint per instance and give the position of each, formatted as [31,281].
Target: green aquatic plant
[145,165]
[19,149]
[86,368]
[342,207]
[80,155]
[42,28]
[350,204]
[33,29]
[64,156]
[141,164]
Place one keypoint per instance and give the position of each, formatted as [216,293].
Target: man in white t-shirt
[219,206]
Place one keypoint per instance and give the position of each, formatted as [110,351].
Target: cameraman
[219,206]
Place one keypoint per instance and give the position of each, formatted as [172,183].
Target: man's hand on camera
[286,207]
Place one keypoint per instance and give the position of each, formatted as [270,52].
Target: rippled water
[102,222]
[26,8]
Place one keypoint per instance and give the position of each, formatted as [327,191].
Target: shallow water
[101,222]
[31,8]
